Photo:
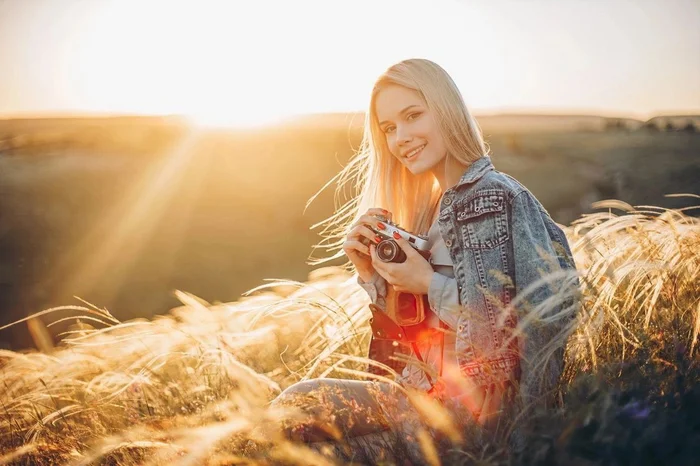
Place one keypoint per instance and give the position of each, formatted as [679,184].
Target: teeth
[414,152]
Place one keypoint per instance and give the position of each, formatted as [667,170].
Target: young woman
[500,279]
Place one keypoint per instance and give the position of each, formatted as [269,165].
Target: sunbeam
[115,244]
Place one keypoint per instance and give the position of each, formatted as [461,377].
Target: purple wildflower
[636,410]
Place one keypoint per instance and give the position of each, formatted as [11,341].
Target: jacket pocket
[483,221]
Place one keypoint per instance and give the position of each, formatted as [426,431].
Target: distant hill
[674,122]
[494,123]
[491,123]
[502,123]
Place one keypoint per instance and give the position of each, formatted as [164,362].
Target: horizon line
[485,112]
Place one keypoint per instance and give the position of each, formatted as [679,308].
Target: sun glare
[230,118]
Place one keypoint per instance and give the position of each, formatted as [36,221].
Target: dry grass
[192,387]
[640,281]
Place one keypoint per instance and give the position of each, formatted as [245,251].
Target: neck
[448,172]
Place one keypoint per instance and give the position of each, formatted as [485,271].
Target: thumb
[405,245]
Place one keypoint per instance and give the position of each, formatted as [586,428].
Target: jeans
[369,421]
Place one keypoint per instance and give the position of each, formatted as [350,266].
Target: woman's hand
[411,276]
[356,246]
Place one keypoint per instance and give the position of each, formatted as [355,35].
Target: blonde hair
[380,180]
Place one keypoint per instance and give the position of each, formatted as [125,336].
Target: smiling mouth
[415,153]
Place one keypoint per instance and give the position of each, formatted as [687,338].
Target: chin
[419,168]
[416,170]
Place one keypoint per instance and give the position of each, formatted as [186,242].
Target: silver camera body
[388,249]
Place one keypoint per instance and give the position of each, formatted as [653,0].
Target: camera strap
[416,351]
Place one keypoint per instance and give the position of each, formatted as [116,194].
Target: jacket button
[448,243]
[447,201]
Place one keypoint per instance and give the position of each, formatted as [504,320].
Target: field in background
[122,212]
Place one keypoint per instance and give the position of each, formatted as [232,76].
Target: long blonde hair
[380,180]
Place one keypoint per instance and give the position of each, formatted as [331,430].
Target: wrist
[366,275]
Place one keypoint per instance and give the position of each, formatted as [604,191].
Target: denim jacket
[501,241]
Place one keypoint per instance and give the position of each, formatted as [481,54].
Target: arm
[535,256]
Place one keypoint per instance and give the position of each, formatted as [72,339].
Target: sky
[236,62]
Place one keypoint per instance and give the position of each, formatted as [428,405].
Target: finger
[377,211]
[354,245]
[363,232]
[376,262]
[387,214]
[384,267]
[380,266]
[370,217]
[405,245]
[366,220]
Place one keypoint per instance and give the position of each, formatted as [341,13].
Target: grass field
[191,386]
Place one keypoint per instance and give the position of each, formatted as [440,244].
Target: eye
[388,129]
[413,116]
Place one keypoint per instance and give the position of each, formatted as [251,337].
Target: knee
[298,389]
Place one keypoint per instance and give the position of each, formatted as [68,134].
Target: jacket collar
[476,170]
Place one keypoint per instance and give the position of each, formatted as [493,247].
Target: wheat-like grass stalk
[192,386]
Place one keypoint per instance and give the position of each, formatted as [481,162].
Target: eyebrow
[400,113]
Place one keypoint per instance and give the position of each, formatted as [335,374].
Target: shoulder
[498,191]
[495,184]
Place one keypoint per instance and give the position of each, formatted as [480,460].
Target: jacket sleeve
[443,297]
[376,289]
[540,249]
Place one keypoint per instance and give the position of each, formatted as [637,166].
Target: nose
[402,135]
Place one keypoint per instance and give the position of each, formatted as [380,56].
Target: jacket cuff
[375,287]
[443,298]
[435,292]
[372,281]
[498,370]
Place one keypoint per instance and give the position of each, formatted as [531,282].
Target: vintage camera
[403,319]
[389,251]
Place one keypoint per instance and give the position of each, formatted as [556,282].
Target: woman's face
[408,124]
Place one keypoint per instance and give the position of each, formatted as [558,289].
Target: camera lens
[389,251]
[386,250]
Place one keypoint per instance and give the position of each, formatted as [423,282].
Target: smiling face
[407,124]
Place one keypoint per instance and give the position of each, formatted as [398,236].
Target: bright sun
[217,64]
[216,74]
